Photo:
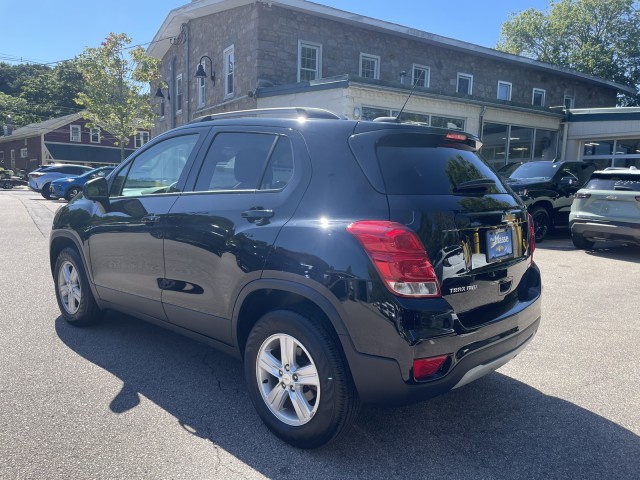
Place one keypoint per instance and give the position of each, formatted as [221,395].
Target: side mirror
[96,189]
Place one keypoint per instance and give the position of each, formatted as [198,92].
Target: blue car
[69,187]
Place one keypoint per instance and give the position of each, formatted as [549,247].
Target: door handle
[258,215]
[151,218]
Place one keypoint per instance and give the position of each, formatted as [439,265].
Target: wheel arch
[265,295]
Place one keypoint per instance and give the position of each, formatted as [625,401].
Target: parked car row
[63,181]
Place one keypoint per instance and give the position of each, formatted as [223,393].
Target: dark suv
[343,261]
[547,188]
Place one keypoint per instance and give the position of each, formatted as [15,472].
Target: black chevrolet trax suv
[344,262]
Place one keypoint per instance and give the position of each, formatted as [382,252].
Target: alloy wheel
[288,379]
[69,287]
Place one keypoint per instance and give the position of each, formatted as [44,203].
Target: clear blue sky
[47,31]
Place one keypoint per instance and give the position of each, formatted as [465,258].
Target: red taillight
[456,136]
[425,367]
[532,236]
[399,257]
[36,174]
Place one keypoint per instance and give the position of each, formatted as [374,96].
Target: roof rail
[285,112]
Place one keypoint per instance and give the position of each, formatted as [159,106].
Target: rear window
[622,181]
[420,164]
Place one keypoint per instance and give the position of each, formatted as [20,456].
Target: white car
[607,208]
[40,180]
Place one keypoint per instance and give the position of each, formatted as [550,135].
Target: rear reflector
[399,257]
[425,367]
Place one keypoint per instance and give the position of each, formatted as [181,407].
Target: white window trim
[92,132]
[544,96]
[318,48]
[508,84]
[572,102]
[13,155]
[138,139]
[375,58]
[427,76]
[24,153]
[201,86]
[467,76]
[179,93]
[71,136]
[225,59]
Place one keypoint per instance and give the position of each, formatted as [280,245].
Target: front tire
[298,380]
[73,292]
[45,191]
[7,185]
[541,223]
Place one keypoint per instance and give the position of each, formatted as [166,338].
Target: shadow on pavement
[496,427]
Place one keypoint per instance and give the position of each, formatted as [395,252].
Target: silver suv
[607,208]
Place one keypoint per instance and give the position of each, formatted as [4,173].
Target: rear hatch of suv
[610,196]
[475,230]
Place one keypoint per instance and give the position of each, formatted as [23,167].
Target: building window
[179,93]
[75,133]
[502,144]
[141,138]
[229,67]
[604,152]
[13,155]
[162,107]
[465,84]
[24,153]
[369,66]
[420,75]
[309,61]
[201,91]
[504,91]
[538,97]
[95,135]
[569,101]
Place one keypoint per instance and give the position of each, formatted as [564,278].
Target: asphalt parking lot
[125,399]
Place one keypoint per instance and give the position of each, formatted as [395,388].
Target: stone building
[261,54]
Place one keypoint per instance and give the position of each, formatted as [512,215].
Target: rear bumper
[607,231]
[379,380]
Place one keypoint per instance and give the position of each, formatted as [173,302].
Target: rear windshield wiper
[481,184]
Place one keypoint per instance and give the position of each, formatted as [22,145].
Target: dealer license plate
[499,244]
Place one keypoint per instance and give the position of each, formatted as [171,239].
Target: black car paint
[219,267]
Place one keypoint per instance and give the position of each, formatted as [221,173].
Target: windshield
[535,171]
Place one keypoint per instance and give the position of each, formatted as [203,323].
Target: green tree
[597,37]
[116,95]
[19,111]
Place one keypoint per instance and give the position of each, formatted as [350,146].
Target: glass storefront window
[598,147]
[447,122]
[628,147]
[520,141]
[546,145]
[494,144]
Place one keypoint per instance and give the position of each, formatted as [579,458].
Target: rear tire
[581,243]
[45,191]
[72,192]
[7,185]
[541,223]
[298,380]
[73,292]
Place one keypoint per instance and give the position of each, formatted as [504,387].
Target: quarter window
[309,61]
[504,91]
[246,161]
[420,76]
[465,84]
[538,97]
[157,169]
[75,133]
[369,66]
[229,69]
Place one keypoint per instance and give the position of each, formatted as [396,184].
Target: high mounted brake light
[399,257]
[456,136]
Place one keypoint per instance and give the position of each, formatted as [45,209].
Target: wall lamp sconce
[200,73]
[159,93]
